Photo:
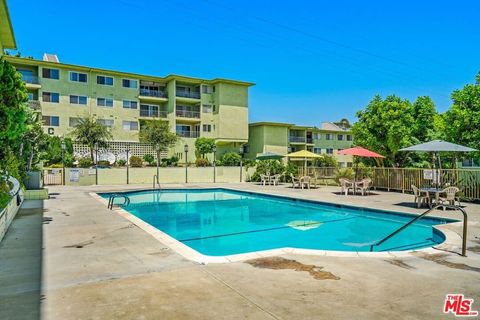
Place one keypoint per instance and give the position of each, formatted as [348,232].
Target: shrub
[231,159]
[121,162]
[103,162]
[202,162]
[268,166]
[218,163]
[346,173]
[136,162]
[148,158]
[326,160]
[85,162]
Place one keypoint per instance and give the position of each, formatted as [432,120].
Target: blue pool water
[222,222]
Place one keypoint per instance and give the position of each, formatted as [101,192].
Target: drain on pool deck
[277,263]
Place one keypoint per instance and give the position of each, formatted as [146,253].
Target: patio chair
[346,185]
[305,181]
[295,181]
[264,179]
[450,196]
[275,179]
[364,186]
[420,196]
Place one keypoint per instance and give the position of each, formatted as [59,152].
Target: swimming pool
[219,222]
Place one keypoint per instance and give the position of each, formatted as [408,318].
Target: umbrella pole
[355,178]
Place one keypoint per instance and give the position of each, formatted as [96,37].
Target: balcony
[153,93]
[296,139]
[310,140]
[188,94]
[34,104]
[27,78]
[153,113]
[188,134]
[187,114]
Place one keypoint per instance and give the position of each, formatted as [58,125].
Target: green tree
[157,133]
[204,146]
[385,126]
[14,121]
[462,120]
[90,133]
[326,160]
[425,120]
[52,152]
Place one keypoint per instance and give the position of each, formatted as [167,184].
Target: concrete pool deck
[95,264]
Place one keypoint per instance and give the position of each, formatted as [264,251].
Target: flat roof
[7,38]
[35,62]
[292,126]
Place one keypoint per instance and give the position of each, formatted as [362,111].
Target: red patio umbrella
[359,152]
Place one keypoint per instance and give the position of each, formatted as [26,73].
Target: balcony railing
[30,79]
[188,114]
[188,134]
[34,104]
[186,94]
[153,113]
[153,93]
[297,139]
[309,140]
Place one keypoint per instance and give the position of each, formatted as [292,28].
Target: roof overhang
[7,38]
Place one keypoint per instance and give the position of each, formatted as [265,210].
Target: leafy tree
[426,120]
[90,133]
[53,151]
[14,118]
[385,126]
[157,133]
[462,120]
[204,146]
[326,160]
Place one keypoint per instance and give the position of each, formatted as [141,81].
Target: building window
[105,102]
[130,125]
[73,122]
[31,97]
[50,97]
[329,151]
[78,99]
[340,137]
[52,121]
[316,136]
[78,77]
[207,128]
[127,104]
[317,150]
[104,80]
[349,137]
[349,164]
[127,83]
[50,73]
[328,136]
[106,122]
[207,108]
[208,89]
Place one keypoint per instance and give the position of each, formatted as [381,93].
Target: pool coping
[187,252]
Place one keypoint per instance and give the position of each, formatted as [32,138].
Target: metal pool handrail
[155,180]
[112,197]
[465,218]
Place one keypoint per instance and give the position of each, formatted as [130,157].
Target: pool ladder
[465,218]
[112,198]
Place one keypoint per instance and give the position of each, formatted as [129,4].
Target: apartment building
[124,102]
[283,138]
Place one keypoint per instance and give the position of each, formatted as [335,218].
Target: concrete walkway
[97,265]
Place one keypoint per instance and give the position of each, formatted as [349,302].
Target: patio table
[435,191]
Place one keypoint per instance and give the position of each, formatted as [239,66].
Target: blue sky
[312,61]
